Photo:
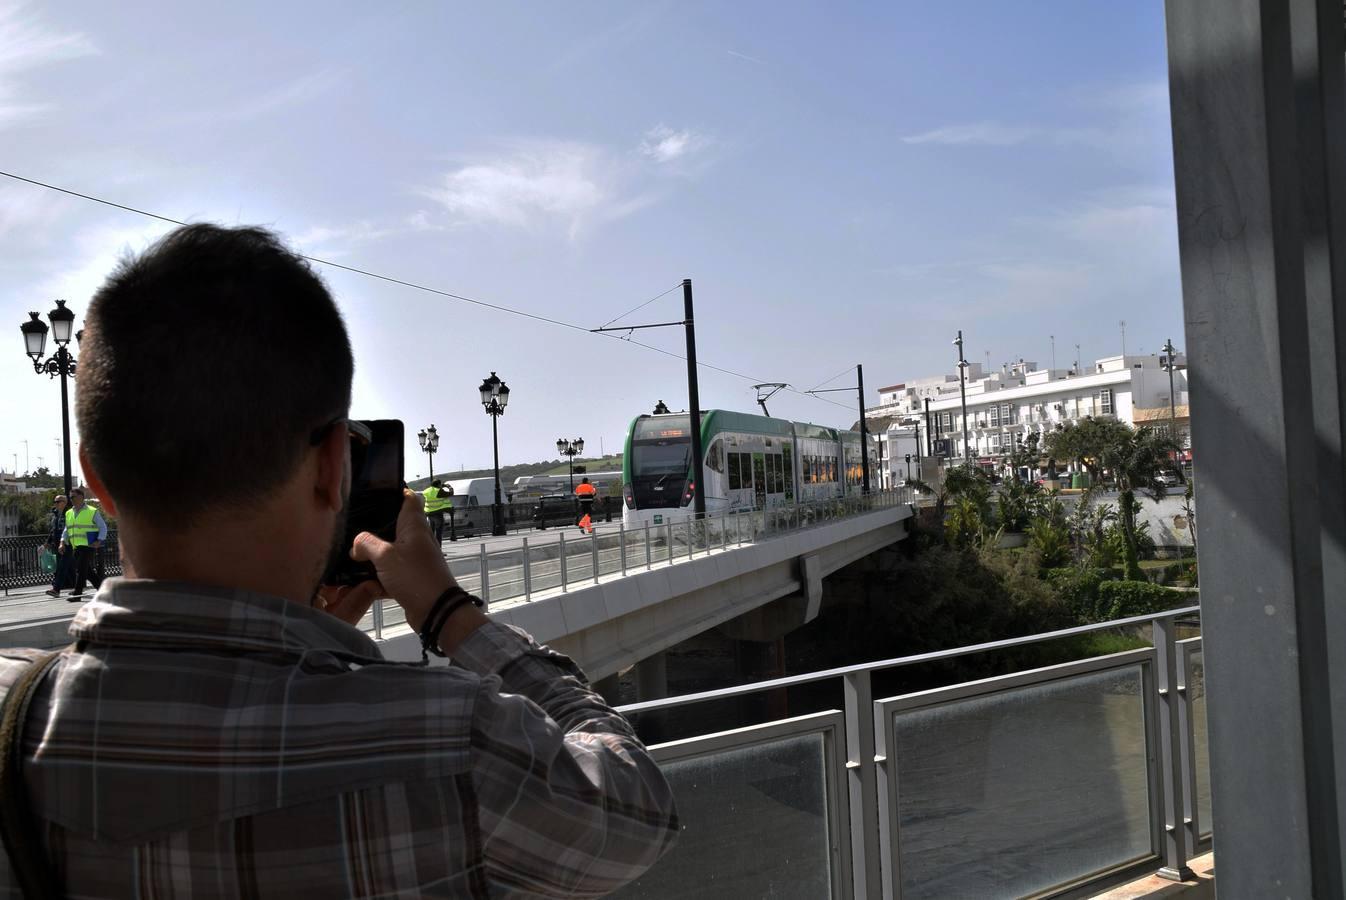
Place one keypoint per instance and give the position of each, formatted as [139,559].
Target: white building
[1005,407]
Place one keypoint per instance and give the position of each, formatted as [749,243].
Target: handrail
[933,656]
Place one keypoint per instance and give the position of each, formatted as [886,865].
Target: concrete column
[1259,145]
[610,688]
[652,677]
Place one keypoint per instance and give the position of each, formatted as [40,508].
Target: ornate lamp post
[661,409]
[494,399]
[429,439]
[60,363]
[570,449]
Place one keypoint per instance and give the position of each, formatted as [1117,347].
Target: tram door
[759,480]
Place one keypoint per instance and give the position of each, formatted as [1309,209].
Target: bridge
[618,597]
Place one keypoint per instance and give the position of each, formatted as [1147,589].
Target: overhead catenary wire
[411,284]
[832,379]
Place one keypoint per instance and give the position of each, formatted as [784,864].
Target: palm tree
[1135,457]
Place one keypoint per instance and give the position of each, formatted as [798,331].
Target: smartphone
[375,500]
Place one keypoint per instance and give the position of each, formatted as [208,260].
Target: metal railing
[1057,781]
[21,567]
[563,561]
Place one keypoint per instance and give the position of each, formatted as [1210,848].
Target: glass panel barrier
[755,823]
[506,574]
[1023,790]
[1196,696]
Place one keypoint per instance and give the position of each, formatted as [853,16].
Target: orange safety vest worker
[586,491]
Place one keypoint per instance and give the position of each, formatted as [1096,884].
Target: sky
[843,183]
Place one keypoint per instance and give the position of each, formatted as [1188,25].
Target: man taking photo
[219,727]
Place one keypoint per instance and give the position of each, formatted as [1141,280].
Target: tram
[751,462]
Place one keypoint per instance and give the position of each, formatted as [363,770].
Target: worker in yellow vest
[586,493]
[437,502]
[85,531]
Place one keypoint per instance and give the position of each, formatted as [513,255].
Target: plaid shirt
[204,742]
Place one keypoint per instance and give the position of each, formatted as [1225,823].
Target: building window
[1105,401]
[948,421]
[1005,414]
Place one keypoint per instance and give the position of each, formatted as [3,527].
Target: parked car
[554,509]
[1168,479]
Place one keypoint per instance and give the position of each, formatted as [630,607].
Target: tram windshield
[661,455]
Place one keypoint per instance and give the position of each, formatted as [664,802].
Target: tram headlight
[629,495]
[689,493]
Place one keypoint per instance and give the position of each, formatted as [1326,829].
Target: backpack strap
[18,826]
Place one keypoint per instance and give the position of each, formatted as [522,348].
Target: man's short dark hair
[208,360]
[74,491]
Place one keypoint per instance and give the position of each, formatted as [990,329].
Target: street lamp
[60,363]
[494,399]
[962,393]
[908,467]
[570,449]
[429,439]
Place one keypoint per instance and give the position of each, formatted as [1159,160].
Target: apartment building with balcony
[1005,407]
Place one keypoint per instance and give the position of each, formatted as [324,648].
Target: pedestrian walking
[220,727]
[85,531]
[586,493]
[55,528]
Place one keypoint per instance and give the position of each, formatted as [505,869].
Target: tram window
[715,456]
[735,480]
[776,485]
[788,471]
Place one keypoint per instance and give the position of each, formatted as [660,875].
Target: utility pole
[1053,340]
[694,401]
[864,429]
[962,394]
[693,395]
[929,431]
[1122,324]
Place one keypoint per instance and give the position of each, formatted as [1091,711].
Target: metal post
[668,541]
[378,620]
[962,394]
[497,520]
[860,778]
[63,363]
[527,572]
[563,561]
[1188,733]
[485,575]
[691,539]
[694,404]
[593,553]
[724,530]
[647,546]
[1174,838]
[929,431]
[621,532]
[864,430]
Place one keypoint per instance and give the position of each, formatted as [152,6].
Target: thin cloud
[663,145]
[538,184]
[744,56]
[302,90]
[988,133]
[26,44]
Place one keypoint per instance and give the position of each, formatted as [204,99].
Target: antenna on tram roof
[766,391]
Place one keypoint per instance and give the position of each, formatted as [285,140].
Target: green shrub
[1120,599]
[1051,541]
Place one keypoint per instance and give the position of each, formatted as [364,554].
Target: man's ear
[333,464]
[109,506]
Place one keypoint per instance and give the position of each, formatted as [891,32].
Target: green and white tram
[752,462]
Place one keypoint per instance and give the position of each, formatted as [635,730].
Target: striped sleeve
[570,802]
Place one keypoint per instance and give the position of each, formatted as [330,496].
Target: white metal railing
[1057,781]
[536,567]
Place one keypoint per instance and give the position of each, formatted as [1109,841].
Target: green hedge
[1120,599]
[1080,588]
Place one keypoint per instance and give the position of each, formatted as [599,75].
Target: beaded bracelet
[445,606]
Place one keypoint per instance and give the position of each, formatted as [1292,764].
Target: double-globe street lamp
[429,439]
[570,449]
[494,399]
[962,394]
[60,363]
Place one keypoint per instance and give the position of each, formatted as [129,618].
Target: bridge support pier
[652,677]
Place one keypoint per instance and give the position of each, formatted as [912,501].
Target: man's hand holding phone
[412,571]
